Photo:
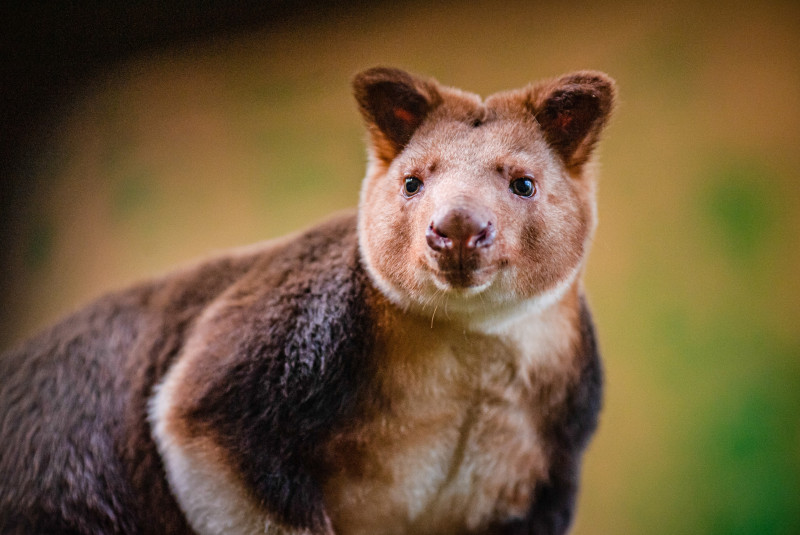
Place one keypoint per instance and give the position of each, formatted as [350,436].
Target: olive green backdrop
[181,151]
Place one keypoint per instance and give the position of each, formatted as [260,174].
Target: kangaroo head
[483,204]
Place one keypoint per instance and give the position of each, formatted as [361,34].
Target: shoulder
[300,305]
[269,369]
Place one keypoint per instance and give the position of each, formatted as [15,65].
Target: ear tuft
[572,112]
[394,104]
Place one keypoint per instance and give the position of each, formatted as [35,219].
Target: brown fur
[463,163]
[426,367]
[464,406]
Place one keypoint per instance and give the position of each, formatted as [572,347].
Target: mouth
[466,279]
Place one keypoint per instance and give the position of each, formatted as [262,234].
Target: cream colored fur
[209,494]
[435,466]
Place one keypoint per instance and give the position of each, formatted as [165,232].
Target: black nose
[460,229]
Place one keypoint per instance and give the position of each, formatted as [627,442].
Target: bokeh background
[143,138]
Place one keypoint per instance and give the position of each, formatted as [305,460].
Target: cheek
[551,245]
[388,226]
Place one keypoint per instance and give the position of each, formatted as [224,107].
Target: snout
[460,241]
[461,230]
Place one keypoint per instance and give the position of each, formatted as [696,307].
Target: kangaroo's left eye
[411,186]
[523,186]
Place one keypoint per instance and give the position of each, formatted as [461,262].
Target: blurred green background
[187,149]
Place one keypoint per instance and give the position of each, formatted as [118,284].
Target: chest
[455,444]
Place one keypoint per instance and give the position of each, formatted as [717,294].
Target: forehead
[496,140]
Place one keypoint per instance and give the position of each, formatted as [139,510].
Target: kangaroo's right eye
[523,187]
[412,186]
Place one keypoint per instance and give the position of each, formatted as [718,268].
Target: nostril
[483,237]
[436,240]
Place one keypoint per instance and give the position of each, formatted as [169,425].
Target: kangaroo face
[481,206]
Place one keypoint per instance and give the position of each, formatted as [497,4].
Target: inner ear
[572,112]
[394,104]
[397,110]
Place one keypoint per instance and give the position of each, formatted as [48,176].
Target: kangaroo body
[425,366]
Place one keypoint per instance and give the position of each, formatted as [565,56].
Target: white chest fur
[460,444]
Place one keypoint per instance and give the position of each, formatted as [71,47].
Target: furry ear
[393,103]
[572,111]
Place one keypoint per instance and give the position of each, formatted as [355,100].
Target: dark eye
[524,186]
[412,186]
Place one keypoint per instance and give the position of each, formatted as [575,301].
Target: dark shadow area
[50,50]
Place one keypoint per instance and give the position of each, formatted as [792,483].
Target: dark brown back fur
[76,452]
